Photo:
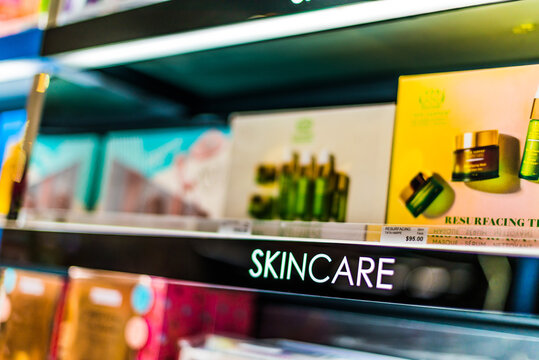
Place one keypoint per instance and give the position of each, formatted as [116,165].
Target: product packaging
[62,171]
[111,316]
[322,164]
[121,316]
[465,149]
[30,304]
[11,133]
[170,171]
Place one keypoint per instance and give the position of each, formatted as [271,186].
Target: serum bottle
[529,168]
[305,187]
[287,186]
[324,187]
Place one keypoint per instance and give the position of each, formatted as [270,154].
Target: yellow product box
[30,304]
[466,149]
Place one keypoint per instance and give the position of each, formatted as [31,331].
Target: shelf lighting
[13,70]
[258,30]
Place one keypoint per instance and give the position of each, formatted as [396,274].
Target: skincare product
[112,316]
[340,198]
[476,156]
[358,140]
[179,171]
[324,187]
[287,186]
[29,305]
[529,168]
[420,193]
[305,186]
[62,172]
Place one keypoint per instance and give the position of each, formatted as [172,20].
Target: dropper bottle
[324,186]
[529,168]
[305,186]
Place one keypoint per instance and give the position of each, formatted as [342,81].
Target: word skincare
[281,265]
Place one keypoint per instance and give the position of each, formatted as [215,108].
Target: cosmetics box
[170,171]
[466,149]
[329,164]
[30,303]
[62,171]
[112,316]
[11,133]
[109,315]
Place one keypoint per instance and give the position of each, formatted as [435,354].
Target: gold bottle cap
[476,139]
[417,182]
[535,108]
[342,182]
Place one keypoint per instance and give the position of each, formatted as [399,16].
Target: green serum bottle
[324,187]
[287,186]
[476,156]
[529,168]
[305,187]
[340,198]
[420,193]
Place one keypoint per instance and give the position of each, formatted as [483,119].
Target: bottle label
[530,159]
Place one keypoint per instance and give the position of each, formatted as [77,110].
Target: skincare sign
[281,265]
[466,149]
[312,165]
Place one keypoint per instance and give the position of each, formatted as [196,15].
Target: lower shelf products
[120,316]
[30,304]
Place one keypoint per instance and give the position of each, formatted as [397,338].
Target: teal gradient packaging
[62,171]
[178,171]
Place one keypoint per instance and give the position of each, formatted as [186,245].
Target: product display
[468,129]
[111,316]
[321,164]
[124,316]
[30,304]
[62,171]
[172,171]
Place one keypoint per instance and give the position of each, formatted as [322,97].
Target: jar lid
[476,139]
[415,184]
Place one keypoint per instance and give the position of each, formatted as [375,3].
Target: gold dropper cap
[414,185]
[342,182]
[476,139]
[535,107]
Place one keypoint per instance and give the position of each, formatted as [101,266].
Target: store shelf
[420,275]
[209,67]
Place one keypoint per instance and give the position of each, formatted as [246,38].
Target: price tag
[404,235]
[235,227]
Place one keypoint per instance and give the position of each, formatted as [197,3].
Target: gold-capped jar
[476,156]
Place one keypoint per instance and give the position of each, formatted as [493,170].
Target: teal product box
[62,171]
[179,171]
